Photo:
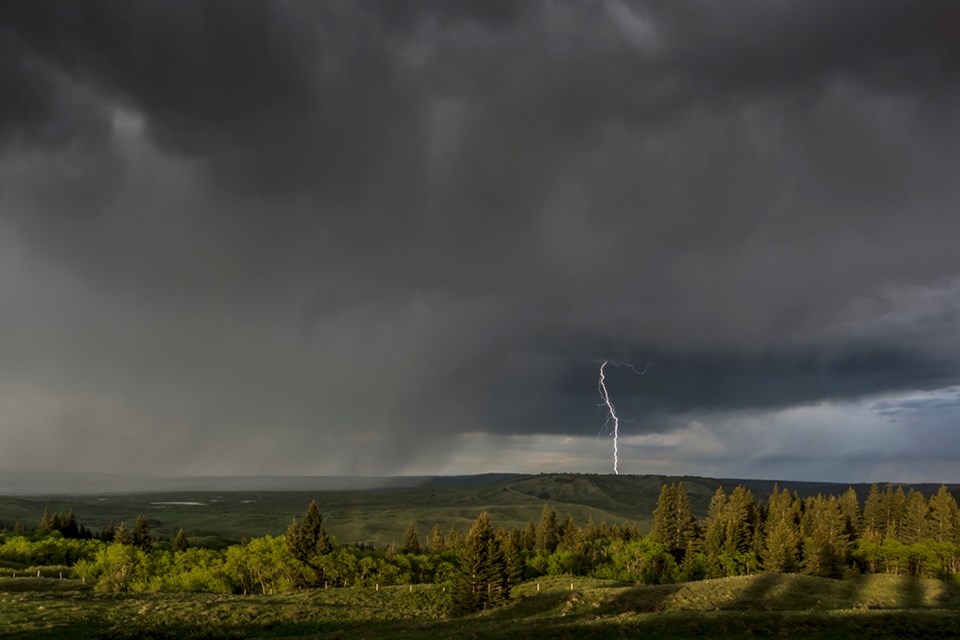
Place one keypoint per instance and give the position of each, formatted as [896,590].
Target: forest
[890,531]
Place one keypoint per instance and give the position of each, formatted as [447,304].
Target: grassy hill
[789,606]
[382,515]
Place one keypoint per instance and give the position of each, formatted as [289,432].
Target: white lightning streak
[612,410]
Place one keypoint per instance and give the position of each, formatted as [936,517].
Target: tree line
[828,536]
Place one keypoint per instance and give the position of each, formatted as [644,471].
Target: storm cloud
[281,237]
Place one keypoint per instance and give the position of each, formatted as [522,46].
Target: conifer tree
[437,542]
[874,520]
[894,508]
[825,548]
[850,507]
[782,542]
[180,542]
[121,536]
[528,537]
[46,523]
[673,521]
[715,533]
[411,541]
[482,581]
[944,517]
[914,525]
[548,533]
[141,534]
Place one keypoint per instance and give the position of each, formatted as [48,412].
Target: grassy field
[791,606]
[383,515]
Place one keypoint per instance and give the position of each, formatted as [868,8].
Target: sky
[380,237]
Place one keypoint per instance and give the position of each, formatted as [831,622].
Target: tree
[826,546]
[141,534]
[782,544]
[309,539]
[874,519]
[944,517]
[121,536]
[548,532]
[411,542]
[482,582]
[180,542]
[437,543]
[914,525]
[673,521]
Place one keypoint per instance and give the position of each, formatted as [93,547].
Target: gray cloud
[416,220]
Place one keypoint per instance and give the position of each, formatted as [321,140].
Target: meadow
[772,605]
[382,515]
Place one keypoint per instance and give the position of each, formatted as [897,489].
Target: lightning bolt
[602,386]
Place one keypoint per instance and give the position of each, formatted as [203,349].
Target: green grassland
[773,605]
[382,515]
[379,516]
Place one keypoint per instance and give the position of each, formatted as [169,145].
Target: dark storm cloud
[439,217]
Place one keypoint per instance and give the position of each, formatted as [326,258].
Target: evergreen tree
[46,524]
[715,534]
[69,527]
[673,521]
[944,517]
[825,548]
[548,533]
[782,542]
[454,539]
[569,535]
[661,530]
[528,537]
[894,508]
[121,536]
[437,543]
[308,540]
[850,507]
[874,519]
[411,542]
[513,557]
[141,534]
[482,581]
[914,524]
[180,542]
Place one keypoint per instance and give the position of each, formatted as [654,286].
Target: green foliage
[411,541]
[482,580]
[141,537]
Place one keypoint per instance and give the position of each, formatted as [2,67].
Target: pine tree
[482,580]
[850,507]
[141,534]
[914,524]
[894,508]
[825,549]
[944,516]
[528,537]
[411,542]
[437,543]
[874,520]
[180,542]
[548,533]
[715,534]
[661,530]
[121,536]
[513,557]
[46,523]
[782,542]
[454,539]
[673,521]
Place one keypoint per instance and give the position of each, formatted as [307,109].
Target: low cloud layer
[329,238]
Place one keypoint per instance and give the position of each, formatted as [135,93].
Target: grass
[790,606]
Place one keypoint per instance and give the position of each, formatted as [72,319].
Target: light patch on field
[178,503]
